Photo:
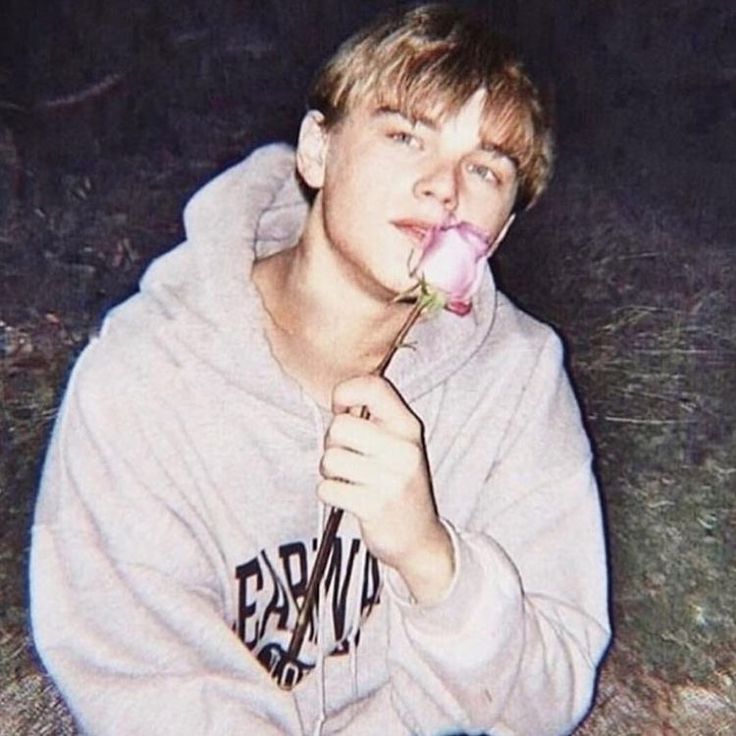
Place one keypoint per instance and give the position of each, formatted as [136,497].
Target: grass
[647,303]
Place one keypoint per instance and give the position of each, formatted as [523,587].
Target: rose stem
[335,516]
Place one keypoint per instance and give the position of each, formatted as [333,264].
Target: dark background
[113,113]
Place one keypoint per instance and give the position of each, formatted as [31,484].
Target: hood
[203,286]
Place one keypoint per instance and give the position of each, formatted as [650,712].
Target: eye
[484,173]
[406,139]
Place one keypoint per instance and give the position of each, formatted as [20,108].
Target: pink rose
[452,263]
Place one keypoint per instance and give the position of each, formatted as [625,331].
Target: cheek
[343,210]
[360,195]
[489,213]
[345,181]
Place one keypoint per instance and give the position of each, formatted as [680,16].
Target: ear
[502,234]
[311,150]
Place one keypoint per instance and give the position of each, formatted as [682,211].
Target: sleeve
[514,647]
[127,611]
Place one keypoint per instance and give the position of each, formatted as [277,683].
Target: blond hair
[428,62]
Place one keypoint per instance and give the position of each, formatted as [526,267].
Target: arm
[127,609]
[513,645]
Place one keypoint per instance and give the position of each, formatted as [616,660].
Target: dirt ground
[112,115]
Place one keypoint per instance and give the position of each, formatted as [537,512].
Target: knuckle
[330,492]
[374,388]
[323,491]
[377,383]
[331,434]
[327,465]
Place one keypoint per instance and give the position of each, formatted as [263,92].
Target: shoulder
[125,365]
[520,338]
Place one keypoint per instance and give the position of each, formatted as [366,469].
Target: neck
[310,301]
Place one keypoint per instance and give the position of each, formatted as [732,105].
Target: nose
[439,183]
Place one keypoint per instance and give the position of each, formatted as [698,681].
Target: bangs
[428,66]
[438,88]
[508,124]
[431,84]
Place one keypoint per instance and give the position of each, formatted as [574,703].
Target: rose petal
[460,308]
[452,262]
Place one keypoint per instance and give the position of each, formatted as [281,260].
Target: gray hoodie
[177,518]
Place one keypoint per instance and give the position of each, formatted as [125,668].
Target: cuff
[484,585]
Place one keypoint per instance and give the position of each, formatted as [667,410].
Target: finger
[345,496]
[384,403]
[358,435]
[386,451]
[344,465]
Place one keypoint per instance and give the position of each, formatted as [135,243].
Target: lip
[414,229]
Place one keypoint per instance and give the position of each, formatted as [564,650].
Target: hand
[377,469]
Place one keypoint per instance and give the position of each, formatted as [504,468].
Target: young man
[178,521]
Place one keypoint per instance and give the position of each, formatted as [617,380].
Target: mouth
[415,230]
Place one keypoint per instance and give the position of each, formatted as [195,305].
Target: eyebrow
[387,110]
[485,146]
[499,152]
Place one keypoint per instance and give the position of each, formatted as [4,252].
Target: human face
[383,180]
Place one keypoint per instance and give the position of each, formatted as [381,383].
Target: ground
[111,118]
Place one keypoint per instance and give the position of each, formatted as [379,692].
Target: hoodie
[177,519]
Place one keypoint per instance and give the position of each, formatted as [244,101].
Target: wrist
[429,570]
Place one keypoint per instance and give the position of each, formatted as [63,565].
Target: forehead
[501,127]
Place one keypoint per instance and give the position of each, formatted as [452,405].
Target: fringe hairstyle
[428,62]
